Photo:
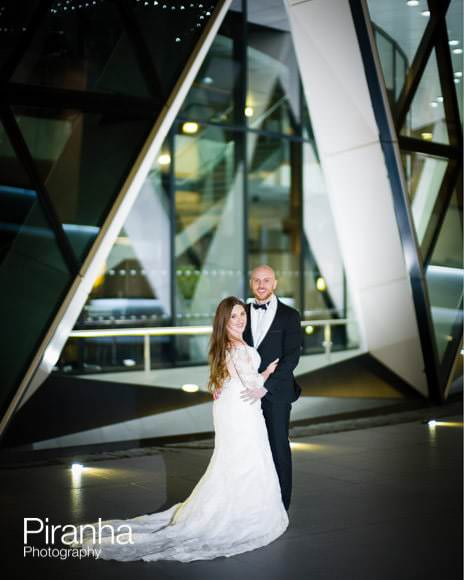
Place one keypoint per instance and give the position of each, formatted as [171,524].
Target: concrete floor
[377,503]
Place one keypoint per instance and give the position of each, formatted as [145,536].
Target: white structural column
[347,136]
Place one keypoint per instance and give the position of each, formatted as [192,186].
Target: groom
[274,330]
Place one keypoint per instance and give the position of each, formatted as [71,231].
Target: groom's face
[263,283]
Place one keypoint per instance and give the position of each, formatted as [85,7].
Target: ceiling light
[190,127]
[413,2]
[249,111]
[164,159]
[309,329]
[457,81]
[190,388]
[432,423]
[453,42]
[434,104]
[425,12]
[457,50]
[427,136]
[207,80]
[439,99]
[458,74]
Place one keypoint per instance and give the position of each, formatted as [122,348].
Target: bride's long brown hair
[219,342]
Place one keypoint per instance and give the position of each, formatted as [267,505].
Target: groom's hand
[252,395]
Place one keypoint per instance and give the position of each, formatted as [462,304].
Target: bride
[236,506]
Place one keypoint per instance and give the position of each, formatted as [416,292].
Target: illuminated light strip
[160,331]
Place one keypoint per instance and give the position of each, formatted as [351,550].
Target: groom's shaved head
[263,270]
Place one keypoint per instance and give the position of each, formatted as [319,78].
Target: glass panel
[14,21]
[33,275]
[274,203]
[171,28]
[454,20]
[209,213]
[117,353]
[402,26]
[424,176]
[133,288]
[99,47]
[401,68]
[444,275]
[386,47]
[324,275]
[83,159]
[215,91]
[83,48]
[273,99]
[426,117]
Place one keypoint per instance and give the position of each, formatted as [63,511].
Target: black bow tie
[258,306]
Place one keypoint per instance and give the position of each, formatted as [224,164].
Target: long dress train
[235,507]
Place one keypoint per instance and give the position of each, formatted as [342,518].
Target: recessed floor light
[190,388]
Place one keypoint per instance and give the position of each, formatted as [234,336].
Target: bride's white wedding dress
[235,507]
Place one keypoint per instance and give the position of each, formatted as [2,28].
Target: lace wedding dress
[235,507]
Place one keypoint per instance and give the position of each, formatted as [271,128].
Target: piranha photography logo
[83,541]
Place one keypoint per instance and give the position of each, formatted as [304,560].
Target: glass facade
[427,113]
[82,86]
[237,183]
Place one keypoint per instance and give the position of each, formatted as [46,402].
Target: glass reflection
[85,46]
[274,211]
[209,209]
[83,159]
[213,95]
[424,175]
[15,19]
[83,49]
[31,264]
[400,29]
[273,99]
[426,118]
[394,63]
[444,275]
[133,287]
[454,24]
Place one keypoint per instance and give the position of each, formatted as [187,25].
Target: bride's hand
[271,367]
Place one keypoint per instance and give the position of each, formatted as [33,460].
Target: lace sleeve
[243,366]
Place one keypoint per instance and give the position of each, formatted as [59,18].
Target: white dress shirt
[261,320]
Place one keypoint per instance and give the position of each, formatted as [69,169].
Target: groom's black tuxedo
[283,340]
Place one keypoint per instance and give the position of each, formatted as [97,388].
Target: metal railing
[198,330]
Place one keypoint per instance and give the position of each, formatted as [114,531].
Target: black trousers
[277,417]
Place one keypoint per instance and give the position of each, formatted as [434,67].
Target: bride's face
[237,322]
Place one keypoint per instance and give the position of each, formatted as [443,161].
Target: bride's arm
[243,365]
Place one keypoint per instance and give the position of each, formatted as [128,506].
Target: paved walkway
[382,503]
